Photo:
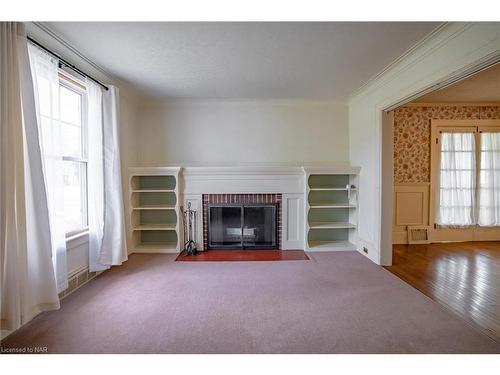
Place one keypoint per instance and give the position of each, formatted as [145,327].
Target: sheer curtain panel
[114,247]
[26,274]
[106,214]
[489,180]
[95,176]
[45,72]
[457,180]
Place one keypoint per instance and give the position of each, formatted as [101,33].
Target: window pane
[457,180]
[74,195]
[489,180]
[460,159]
[70,106]
[71,140]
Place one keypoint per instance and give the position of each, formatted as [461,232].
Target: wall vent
[77,279]
[418,235]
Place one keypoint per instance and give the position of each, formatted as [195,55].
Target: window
[457,188]
[467,177]
[64,123]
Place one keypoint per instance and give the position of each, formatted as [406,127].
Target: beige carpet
[332,303]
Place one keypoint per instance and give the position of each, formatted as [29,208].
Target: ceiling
[244,60]
[481,87]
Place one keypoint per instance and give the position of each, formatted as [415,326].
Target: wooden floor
[465,277]
[242,256]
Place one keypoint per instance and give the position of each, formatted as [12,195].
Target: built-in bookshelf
[331,208]
[154,209]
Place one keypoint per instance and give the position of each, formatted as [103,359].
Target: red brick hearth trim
[239,198]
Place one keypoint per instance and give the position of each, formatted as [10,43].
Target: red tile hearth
[242,256]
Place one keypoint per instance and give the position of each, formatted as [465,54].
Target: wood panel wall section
[410,208]
[412,158]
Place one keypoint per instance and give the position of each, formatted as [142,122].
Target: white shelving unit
[331,203]
[154,209]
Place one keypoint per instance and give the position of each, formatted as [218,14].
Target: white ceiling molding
[405,55]
[40,32]
[482,86]
[455,78]
[43,27]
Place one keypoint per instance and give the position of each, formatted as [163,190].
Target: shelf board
[152,247]
[331,205]
[153,191]
[331,189]
[155,227]
[331,245]
[154,207]
[332,225]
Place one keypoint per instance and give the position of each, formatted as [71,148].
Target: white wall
[228,132]
[455,49]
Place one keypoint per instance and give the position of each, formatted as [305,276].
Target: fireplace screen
[240,226]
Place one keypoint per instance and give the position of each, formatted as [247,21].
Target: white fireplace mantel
[290,181]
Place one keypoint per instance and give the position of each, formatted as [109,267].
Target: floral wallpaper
[412,133]
[489,113]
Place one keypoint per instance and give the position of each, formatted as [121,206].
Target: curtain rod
[66,63]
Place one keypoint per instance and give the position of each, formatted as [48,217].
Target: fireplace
[242,221]
[242,226]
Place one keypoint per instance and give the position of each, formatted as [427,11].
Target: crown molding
[398,60]
[46,29]
[48,37]
[453,104]
[438,40]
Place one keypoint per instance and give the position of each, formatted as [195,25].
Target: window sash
[69,83]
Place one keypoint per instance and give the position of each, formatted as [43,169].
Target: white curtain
[114,247]
[95,175]
[457,190]
[26,273]
[106,213]
[45,72]
[489,185]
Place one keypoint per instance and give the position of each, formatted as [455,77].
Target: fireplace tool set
[190,231]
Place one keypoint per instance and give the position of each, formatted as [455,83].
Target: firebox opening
[241,226]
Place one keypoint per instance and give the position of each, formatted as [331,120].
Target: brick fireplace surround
[240,198]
